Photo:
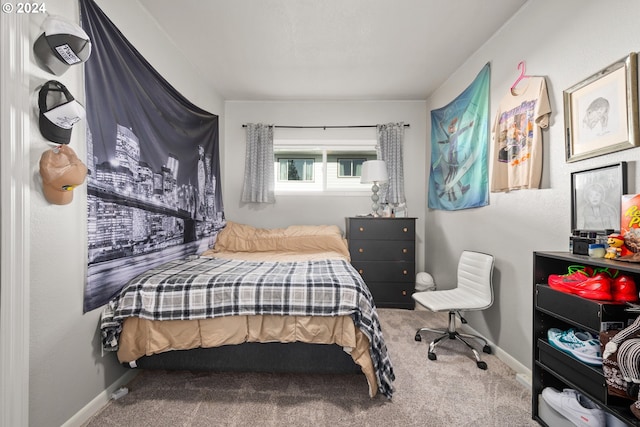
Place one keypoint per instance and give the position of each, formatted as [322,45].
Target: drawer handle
[404,293]
[361,271]
[405,272]
[361,229]
[405,230]
[361,250]
[405,250]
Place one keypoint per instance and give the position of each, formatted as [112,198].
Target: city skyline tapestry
[459,176]
[153,187]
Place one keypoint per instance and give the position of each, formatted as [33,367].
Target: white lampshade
[374,171]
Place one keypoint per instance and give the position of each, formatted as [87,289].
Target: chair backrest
[475,275]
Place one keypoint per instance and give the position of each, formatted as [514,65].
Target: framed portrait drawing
[601,112]
[596,197]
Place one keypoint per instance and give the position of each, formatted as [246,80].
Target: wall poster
[154,192]
[459,139]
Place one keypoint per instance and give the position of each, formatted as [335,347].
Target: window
[321,166]
[295,169]
[350,167]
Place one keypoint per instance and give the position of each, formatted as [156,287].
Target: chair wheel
[482,365]
[418,337]
[432,356]
[486,349]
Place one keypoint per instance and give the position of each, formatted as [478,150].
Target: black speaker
[581,244]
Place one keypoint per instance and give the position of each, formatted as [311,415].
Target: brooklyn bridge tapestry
[153,186]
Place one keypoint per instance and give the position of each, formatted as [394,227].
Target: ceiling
[329,49]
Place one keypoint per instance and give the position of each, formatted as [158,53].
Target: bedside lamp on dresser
[374,171]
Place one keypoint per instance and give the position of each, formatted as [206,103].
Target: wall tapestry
[459,175]
[153,186]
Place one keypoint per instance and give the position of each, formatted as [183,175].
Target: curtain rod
[327,127]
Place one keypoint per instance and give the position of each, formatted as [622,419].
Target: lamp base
[374,198]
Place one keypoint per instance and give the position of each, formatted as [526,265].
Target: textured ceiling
[329,49]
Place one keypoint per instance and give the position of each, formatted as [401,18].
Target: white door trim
[14,219]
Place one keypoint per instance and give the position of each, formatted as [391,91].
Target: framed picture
[595,197]
[601,112]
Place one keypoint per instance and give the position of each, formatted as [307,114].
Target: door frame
[14,219]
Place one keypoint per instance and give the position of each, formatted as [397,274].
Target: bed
[284,300]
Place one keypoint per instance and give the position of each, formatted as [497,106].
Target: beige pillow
[237,237]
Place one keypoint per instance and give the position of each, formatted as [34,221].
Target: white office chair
[473,292]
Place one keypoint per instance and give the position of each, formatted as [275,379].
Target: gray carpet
[450,391]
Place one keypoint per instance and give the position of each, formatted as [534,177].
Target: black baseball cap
[61,45]
[59,111]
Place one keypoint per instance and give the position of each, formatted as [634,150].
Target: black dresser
[383,250]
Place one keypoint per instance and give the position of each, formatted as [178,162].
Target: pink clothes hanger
[521,67]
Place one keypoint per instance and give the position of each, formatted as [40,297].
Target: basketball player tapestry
[459,175]
[153,186]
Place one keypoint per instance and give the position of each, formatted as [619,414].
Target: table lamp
[374,171]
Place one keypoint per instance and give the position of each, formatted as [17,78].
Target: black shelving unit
[551,308]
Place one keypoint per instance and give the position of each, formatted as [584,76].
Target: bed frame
[295,357]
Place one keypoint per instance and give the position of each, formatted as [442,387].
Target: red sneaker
[566,282]
[597,288]
[623,289]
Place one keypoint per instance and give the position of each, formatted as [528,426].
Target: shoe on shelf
[564,282]
[575,407]
[597,287]
[623,289]
[581,345]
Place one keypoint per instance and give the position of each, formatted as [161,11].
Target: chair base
[453,334]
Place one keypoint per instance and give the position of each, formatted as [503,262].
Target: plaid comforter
[203,288]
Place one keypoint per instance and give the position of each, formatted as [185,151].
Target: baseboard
[523,374]
[524,379]
[99,401]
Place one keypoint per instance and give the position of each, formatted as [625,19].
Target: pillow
[237,237]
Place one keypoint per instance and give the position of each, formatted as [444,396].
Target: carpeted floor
[451,391]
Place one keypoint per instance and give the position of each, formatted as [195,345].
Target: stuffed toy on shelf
[627,344]
[615,242]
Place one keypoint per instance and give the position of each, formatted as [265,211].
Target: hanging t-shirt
[517,137]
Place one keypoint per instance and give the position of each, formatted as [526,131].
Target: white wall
[66,367]
[313,209]
[566,41]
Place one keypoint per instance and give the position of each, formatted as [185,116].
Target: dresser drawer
[392,294]
[386,271]
[384,250]
[381,228]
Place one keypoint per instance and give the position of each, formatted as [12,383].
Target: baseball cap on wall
[61,171]
[59,111]
[61,45]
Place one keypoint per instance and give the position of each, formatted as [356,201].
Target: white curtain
[258,166]
[389,149]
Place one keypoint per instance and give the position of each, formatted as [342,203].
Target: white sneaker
[578,344]
[575,407]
